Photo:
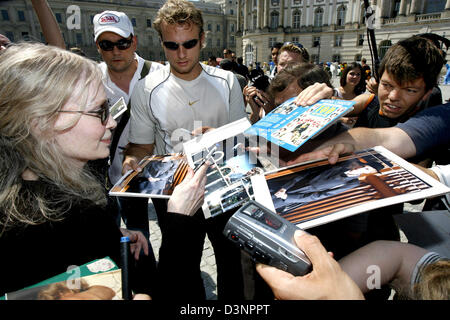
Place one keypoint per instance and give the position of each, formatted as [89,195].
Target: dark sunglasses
[175,45]
[102,113]
[122,44]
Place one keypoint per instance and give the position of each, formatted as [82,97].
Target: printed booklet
[290,126]
[235,174]
[158,178]
[99,279]
[314,193]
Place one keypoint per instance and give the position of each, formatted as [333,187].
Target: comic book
[314,193]
[290,126]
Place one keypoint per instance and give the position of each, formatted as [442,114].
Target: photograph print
[315,190]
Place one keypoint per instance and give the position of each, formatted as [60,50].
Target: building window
[274,18]
[384,46]
[316,42]
[275,3]
[272,42]
[232,27]
[209,43]
[295,40]
[209,27]
[340,16]
[58,17]
[133,22]
[232,40]
[296,19]
[338,40]
[358,57]
[218,28]
[25,36]
[79,39]
[149,23]
[21,15]
[297,2]
[336,58]
[5,15]
[360,39]
[10,35]
[231,11]
[432,6]
[396,10]
[318,17]
[218,43]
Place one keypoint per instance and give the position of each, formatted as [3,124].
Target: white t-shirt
[164,103]
[114,93]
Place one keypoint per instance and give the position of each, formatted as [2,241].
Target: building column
[383,6]
[349,13]
[260,14]
[402,11]
[447,5]
[415,4]
[266,14]
[238,18]
[281,22]
[246,15]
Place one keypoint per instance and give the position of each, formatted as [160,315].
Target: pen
[208,156]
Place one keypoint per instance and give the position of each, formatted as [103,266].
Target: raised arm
[393,139]
[382,262]
[49,25]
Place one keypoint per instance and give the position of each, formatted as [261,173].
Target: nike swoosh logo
[191,103]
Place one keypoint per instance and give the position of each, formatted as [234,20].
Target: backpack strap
[126,115]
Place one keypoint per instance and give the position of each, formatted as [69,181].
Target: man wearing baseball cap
[122,68]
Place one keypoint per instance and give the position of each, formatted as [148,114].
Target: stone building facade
[18,21]
[334,30]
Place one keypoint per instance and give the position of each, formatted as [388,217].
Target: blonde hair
[290,47]
[178,12]
[435,282]
[36,82]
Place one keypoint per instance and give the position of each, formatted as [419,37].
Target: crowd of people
[61,151]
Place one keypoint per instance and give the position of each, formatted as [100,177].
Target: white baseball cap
[113,21]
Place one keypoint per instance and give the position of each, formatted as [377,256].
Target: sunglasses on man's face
[122,44]
[102,112]
[175,45]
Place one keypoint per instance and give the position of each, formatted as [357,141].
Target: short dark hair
[226,64]
[413,58]
[277,45]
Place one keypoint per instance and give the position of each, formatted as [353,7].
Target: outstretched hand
[313,93]
[189,195]
[327,280]
[331,152]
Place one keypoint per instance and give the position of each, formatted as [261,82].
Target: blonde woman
[53,211]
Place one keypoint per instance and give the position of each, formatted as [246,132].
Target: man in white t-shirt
[181,96]
[122,68]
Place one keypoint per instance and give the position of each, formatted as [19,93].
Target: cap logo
[109,19]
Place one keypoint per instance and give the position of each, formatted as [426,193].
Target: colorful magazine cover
[97,280]
[157,179]
[290,126]
[315,193]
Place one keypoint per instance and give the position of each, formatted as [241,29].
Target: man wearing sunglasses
[122,68]
[177,98]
